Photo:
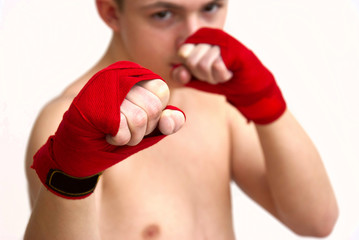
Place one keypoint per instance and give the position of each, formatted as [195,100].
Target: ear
[109,12]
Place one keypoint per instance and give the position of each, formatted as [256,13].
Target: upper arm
[44,126]
[247,160]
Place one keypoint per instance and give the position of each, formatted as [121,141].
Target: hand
[251,88]
[202,61]
[122,103]
[143,110]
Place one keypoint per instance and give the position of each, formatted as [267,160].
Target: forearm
[54,217]
[297,179]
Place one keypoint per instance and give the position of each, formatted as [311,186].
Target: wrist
[71,187]
[263,107]
[57,180]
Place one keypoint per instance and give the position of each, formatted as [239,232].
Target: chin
[163,71]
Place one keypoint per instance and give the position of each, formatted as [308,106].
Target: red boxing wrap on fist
[252,89]
[71,161]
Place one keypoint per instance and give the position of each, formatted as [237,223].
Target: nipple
[151,232]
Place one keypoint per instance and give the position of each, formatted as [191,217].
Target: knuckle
[216,49]
[185,50]
[123,135]
[139,118]
[222,74]
[204,66]
[191,62]
[219,67]
[122,139]
[154,108]
[163,92]
[195,70]
[134,141]
[203,46]
[158,83]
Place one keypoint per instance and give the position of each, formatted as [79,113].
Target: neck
[113,53]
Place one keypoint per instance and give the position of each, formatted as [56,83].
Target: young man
[176,188]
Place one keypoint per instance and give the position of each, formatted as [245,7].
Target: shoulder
[46,125]
[51,114]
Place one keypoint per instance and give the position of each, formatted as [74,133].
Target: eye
[212,7]
[162,15]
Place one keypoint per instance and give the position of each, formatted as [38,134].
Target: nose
[189,26]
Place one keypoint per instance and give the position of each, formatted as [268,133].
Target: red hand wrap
[252,89]
[79,147]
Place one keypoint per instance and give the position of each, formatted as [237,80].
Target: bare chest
[177,189]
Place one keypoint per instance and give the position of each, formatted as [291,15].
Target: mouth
[175,65]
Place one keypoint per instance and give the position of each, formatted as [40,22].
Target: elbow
[320,225]
[323,229]
[325,223]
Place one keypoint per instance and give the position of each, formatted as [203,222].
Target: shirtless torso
[177,189]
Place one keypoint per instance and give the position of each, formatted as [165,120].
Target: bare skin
[179,188]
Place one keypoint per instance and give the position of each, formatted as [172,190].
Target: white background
[310,45]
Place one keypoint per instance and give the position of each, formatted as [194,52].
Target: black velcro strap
[69,186]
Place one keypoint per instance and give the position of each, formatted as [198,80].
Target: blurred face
[151,31]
